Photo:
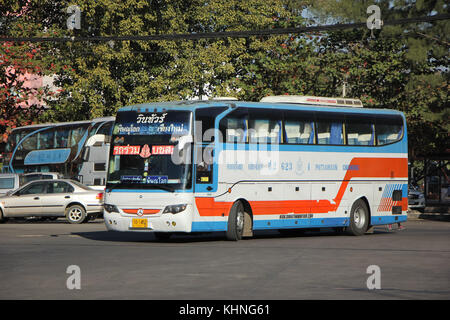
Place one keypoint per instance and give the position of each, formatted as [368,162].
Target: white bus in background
[286,163]
[77,150]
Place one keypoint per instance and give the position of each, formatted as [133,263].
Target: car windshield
[142,147]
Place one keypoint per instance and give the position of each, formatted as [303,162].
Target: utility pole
[344,85]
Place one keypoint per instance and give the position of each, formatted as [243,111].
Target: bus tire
[359,218]
[236,222]
[75,214]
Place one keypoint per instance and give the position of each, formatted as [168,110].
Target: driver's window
[205,166]
[33,188]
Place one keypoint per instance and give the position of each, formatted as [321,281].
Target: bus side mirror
[183,141]
[96,140]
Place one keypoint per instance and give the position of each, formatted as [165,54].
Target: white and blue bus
[286,163]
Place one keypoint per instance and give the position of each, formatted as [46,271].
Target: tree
[401,67]
[99,78]
[422,55]
[18,62]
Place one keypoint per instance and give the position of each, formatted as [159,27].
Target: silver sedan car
[52,198]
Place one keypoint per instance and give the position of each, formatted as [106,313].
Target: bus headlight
[176,208]
[111,208]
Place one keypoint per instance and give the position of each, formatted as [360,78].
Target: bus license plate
[139,223]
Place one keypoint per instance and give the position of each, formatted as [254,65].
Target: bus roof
[313,100]
[42,125]
[197,104]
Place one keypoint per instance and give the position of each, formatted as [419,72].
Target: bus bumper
[168,222]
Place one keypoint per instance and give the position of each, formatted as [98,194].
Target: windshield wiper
[140,186]
[161,186]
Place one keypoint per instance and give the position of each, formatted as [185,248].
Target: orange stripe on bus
[367,168]
[208,207]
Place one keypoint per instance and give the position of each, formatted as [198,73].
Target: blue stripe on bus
[380,220]
[405,191]
[300,223]
[202,226]
[199,226]
[390,188]
[147,191]
[399,147]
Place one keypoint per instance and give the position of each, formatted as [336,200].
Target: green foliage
[410,75]
[102,77]
[402,67]
[20,60]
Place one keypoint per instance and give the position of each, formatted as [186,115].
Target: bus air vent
[312,100]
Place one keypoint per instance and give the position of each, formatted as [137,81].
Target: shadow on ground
[115,236]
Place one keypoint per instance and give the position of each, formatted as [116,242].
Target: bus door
[205,170]
[205,180]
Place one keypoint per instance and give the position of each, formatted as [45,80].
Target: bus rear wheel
[359,218]
[236,222]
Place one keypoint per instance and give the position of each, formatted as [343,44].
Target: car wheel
[75,214]
[2,217]
[236,222]
[359,218]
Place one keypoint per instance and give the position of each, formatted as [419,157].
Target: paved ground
[34,257]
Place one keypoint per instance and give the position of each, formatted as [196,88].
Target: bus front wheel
[236,222]
[359,218]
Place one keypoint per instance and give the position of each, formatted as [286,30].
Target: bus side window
[46,139]
[105,128]
[234,127]
[204,172]
[298,128]
[204,124]
[264,126]
[93,130]
[29,143]
[204,169]
[389,130]
[298,131]
[329,129]
[76,134]
[61,138]
[264,131]
[360,131]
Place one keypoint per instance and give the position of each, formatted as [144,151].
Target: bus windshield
[141,151]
